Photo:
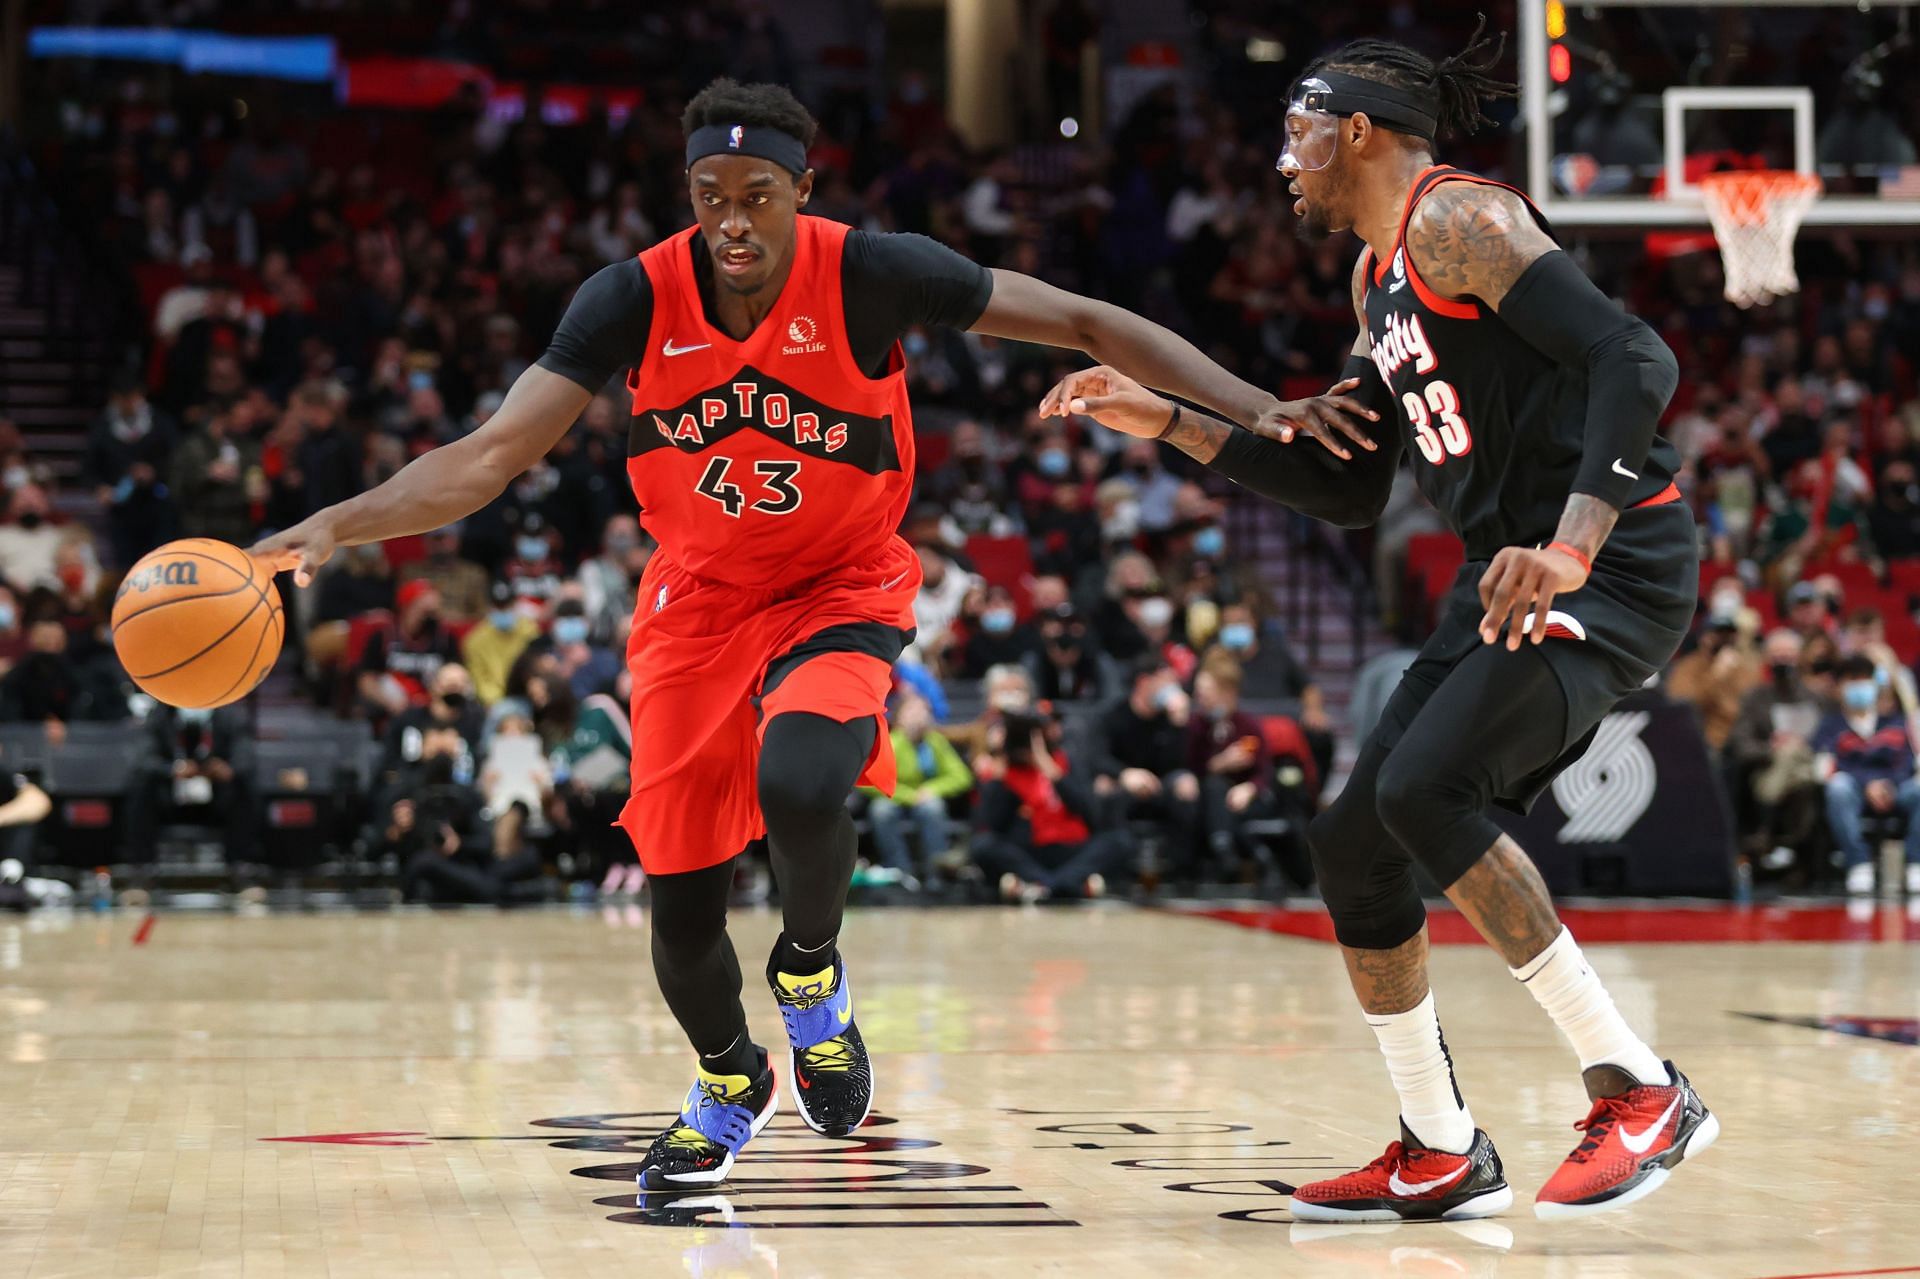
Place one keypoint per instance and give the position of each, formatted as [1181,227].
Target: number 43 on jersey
[779,496]
[1453,437]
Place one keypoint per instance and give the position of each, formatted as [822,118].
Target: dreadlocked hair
[766,106]
[1461,82]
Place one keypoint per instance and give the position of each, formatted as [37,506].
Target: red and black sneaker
[1636,1134]
[1412,1183]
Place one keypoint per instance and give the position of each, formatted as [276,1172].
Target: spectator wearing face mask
[461,584]
[434,822]
[492,647]
[1156,489]
[126,462]
[451,705]
[1008,690]
[30,541]
[1066,667]
[608,581]
[587,667]
[1130,576]
[943,590]
[1227,750]
[995,638]
[1769,758]
[931,777]
[216,478]
[197,768]
[1142,764]
[1269,672]
[1867,757]
[1808,611]
[359,580]
[1894,519]
[1153,616]
[533,571]
[46,686]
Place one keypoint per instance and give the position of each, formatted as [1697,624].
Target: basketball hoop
[1755,214]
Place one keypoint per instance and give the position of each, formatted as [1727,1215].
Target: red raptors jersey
[768,461]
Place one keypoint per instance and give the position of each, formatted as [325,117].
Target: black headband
[762,140]
[1402,110]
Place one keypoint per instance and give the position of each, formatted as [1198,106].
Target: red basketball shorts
[713,664]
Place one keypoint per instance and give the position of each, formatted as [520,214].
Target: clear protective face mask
[1313,132]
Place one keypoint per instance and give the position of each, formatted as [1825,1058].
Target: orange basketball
[198,623]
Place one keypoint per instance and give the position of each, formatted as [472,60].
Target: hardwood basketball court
[1110,1092]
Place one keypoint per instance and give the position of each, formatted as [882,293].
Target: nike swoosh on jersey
[1412,1188]
[1621,470]
[887,586]
[670,349]
[1638,1143]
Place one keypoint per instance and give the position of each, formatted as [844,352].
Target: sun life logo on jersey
[803,331]
[736,137]
[1399,271]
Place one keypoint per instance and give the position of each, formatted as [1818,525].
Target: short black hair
[1459,84]
[767,106]
[1857,666]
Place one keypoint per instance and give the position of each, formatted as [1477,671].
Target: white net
[1755,216]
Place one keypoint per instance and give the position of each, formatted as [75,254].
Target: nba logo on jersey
[735,138]
[1399,271]
[660,600]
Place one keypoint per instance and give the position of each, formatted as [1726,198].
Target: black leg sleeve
[808,765]
[693,958]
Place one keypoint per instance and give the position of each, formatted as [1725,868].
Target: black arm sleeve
[1630,372]
[893,282]
[1312,481]
[605,327]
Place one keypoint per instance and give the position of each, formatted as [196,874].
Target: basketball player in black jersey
[1528,402]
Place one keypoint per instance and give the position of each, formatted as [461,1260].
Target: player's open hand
[302,548]
[1112,399]
[1329,418]
[1520,581]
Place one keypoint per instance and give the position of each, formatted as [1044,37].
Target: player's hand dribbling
[1523,580]
[302,548]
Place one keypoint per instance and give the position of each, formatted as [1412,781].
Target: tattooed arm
[1469,240]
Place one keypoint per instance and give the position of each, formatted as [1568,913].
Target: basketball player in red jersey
[1529,403]
[771,450]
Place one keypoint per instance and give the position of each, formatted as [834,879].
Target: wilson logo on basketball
[178,573]
[803,331]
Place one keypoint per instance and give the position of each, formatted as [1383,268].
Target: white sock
[1568,988]
[1422,1073]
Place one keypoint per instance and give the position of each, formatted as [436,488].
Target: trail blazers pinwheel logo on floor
[1612,785]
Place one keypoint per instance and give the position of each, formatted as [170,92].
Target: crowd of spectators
[322,295]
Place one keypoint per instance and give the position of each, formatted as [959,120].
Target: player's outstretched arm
[447,484]
[1350,494]
[1469,240]
[1030,310]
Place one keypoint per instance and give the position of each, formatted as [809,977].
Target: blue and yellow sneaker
[832,1076]
[722,1113]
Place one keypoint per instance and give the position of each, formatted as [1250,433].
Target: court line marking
[1849,1274]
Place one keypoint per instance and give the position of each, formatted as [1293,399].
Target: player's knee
[1342,827]
[1416,797]
[687,929]
[808,765]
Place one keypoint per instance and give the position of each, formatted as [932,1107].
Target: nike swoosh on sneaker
[1409,1189]
[1638,1143]
[1621,470]
[846,1017]
[670,349]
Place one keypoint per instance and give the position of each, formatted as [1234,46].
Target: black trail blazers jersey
[1495,428]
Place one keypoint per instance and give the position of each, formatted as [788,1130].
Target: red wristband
[1586,565]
